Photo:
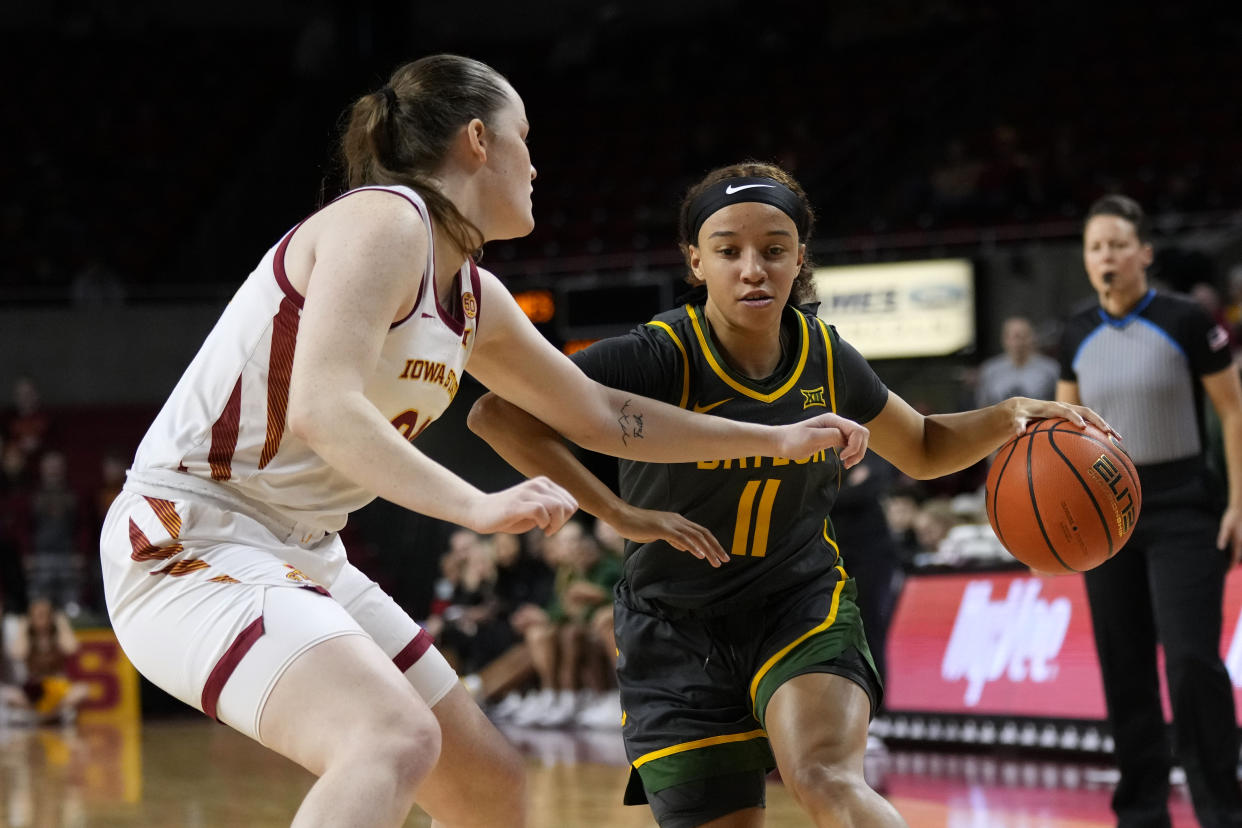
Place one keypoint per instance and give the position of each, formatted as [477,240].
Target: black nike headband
[737,190]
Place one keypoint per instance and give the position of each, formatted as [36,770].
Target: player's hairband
[736,190]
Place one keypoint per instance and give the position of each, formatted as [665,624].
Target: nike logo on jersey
[702,409]
[731,189]
[427,315]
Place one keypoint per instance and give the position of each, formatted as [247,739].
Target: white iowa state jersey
[225,420]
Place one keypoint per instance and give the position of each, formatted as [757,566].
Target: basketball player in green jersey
[728,671]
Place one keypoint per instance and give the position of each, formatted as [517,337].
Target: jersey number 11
[762,517]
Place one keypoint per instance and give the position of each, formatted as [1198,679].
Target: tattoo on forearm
[631,424]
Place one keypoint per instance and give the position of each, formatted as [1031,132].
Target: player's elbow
[308,419]
[921,470]
[487,411]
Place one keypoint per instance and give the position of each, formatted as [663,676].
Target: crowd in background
[917,140]
[899,120]
[48,574]
[526,620]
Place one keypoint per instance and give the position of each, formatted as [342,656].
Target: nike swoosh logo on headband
[730,190]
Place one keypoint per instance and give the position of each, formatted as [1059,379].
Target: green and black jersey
[769,513]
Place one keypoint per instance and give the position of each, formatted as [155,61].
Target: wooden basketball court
[190,772]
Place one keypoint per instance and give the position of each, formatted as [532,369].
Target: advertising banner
[1010,645]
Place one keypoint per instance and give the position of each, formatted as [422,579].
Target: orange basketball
[1063,499]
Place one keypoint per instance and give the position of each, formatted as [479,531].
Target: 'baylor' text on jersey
[769,513]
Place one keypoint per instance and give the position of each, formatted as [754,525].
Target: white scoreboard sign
[900,309]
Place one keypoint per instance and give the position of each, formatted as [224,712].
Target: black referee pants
[1166,586]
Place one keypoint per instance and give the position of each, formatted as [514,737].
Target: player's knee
[407,742]
[823,783]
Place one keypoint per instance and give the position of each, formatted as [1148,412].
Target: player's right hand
[535,503]
[826,431]
[647,525]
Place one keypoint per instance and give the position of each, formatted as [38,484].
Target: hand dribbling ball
[1063,499]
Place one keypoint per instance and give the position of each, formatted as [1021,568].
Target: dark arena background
[154,151]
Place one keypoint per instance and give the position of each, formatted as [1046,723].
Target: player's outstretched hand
[1025,409]
[647,525]
[537,502]
[826,431]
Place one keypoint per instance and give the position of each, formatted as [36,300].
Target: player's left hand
[1229,538]
[646,525]
[1026,409]
[826,431]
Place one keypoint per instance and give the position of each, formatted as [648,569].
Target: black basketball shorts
[695,688]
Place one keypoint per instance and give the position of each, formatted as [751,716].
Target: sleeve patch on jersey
[1218,338]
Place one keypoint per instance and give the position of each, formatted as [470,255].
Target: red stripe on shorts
[412,651]
[227,664]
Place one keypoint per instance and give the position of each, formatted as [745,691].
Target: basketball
[1062,499]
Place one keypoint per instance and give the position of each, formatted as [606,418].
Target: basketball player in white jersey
[225,579]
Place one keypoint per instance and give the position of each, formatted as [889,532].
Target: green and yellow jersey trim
[685,360]
[710,354]
[818,628]
[830,541]
[832,382]
[700,743]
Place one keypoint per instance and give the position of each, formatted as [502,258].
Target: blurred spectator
[901,510]
[112,468]
[1065,171]
[54,563]
[469,623]
[605,711]
[15,469]
[452,562]
[1021,371]
[508,578]
[572,672]
[523,580]
[1009,182]
[96,285]
[1233,306]
[932,524]
[41,646]
[522,575]
[1209,299]
[954,184]
[13,494]
[461,585]
[12,697]
[28,426]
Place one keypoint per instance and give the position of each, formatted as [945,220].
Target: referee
[1143,359]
